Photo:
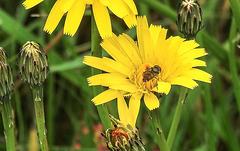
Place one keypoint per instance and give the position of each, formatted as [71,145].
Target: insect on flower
[151,73]
[152,65]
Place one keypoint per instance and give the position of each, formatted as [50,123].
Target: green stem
[177,117]
[40,117]
[157,129]
[96,51]
[8,124]
[232,63]
[235,6]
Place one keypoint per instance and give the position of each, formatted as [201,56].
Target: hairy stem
[157,129]
[8,124]
[40,117]
[96,51]
[177,117]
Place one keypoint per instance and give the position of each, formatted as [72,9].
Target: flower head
[152,65]
[6,80]
[123,135]
[33,64]
[189,18]
[124,9]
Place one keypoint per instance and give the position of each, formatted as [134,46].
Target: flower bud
[123,137]
[6,80]
[33,63]
[189,19]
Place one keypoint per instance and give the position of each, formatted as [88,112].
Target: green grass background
[210,118]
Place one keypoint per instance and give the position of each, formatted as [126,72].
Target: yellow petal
[159,49]
[97,63]
[106,79]
[194,53]
[74,17]
[114,81]
[105,97]
[114,49]
[154,32]
[119,8]
[164,87]
[184,81]
[90,2]
[187,46]
[118,67]
[162,52]
[106,64]
[144,39]
[130,20]
[31,3]
[123,109]
[199,75]
[172,54]
[151,101]
[127,86]
[198,63]
[104,2]
[134,106]
[58,10]
[132,6]
[176,43]
[161,37]
[102,19]
[130,49]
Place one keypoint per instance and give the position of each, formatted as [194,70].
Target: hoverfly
[151,73]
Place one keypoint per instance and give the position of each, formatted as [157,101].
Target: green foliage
[210,117]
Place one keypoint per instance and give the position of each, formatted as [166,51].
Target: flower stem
[157,129]
[40,117]
[96,51]
[8,124]
[232,63]
[177,117]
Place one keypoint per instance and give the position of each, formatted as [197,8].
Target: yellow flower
[123,133]
[147,67]
[124,9]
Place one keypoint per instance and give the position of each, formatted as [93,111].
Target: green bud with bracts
[6,80]
[6,88]
[33,66]
[122,137]
[189,20]
[33,63]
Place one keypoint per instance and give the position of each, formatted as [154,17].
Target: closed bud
[33,63]
[189,20]
[6,80]
[123,137]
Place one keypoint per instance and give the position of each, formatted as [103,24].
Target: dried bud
[189,18]
[33,63]
[123,137]
[6,80]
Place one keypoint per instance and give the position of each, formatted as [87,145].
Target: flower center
[146,77]
[118,135]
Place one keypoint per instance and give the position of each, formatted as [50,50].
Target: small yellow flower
[124,9]
[123,134]
[147,67]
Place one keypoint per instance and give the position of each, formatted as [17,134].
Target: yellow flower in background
[153,64]
[124,9]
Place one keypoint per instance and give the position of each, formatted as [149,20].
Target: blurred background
[210,118]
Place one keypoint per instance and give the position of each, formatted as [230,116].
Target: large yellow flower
[147,67]
[124,9]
